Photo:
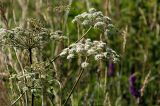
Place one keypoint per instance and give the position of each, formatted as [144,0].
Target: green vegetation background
[138,19]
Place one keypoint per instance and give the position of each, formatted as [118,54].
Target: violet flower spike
[132,80]
[134,91]
[132,88]
[111,68]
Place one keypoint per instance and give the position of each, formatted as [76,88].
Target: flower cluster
[26,38]
[95,19]
[96,49]
[39,67]
[36,70]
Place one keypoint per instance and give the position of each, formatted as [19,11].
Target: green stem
[17,99]
[75,84]
[83,35]
[23,72]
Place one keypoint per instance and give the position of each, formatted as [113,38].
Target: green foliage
[44,52]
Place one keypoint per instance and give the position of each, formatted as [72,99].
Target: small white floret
[84,65]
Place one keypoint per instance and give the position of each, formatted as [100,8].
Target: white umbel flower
[106,18]
[64,52]
[100,25]
[95,42]
[84,15]
[99,13]
[101,44]
[84,64]
[72,50]
[105,54]
[92,10]
[70,56]
[79,49]
[86,47]
[88,40]
[91,51]
[99,57]
[85,22]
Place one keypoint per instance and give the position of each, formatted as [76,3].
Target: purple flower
[132,80]
[111,68]
[135,92]
[132,86]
